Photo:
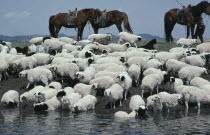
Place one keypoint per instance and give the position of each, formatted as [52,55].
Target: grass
[20,44]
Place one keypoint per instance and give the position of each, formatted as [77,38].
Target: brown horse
[191,18]
[112,17]
[61,19]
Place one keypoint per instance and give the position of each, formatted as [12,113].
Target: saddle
[71,17]
[181,15]
[101,21]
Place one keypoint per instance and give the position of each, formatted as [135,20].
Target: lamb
[117,47]
[134,71]
[189,72]
[154,103]
[103,82]
[114,93]
[203,48]
[87,75]
[42,58]
[124,115]
[137,104]
[186,42]
[86,103]
[69,101]
[55,85]
[126,82]
[174,66]
[35,75]
[51,104]
[100,37]
[127,37]
[66,70]
[10,98]
[84,89]
[46,94]
[152,81]
[199,82]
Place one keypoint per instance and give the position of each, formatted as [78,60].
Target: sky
[27,17]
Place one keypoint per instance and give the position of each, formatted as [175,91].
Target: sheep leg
[157,90]
[199,106]
[186,104]
[45,81]
[142,93]
[0,77]
[126,94]
[120,103]
[28,86]
[135,45]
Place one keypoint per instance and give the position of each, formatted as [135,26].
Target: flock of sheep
[93,66]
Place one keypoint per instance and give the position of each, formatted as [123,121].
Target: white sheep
[42,58]
[206,88]
[113,75]
[172,84]
[55,85]
[203,48]
[10,98]
[96,37]
[3,68]
[186,42]
[86,103]
[118,68]
[84,89]
[24,63]
[154,103]
[113,47]
[87,75]
[69,101]
[154,63]
[137,104]
[114,93]
[127,37]
[54,44]
[174,66]
[189,72]
[35,75]
[71,48]
[199,82]
[83,63]
[126,82]
[68,40]
[152,81]
[101,67]
[66,70]
[169,100]
[32,48]
[134,71]
[44,95]
[124,115]
[163,57]
[150,71]
[51,104]
[141,61]
[36,40]
[13,51]
[103,82]
[105,60]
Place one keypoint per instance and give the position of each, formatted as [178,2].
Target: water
[15,122]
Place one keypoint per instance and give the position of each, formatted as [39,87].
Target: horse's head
[95,13]
[205,6]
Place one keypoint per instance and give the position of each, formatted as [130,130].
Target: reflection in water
[64,122]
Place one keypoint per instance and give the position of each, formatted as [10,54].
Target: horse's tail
[126,23]
[51,26]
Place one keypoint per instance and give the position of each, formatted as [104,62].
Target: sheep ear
[202,57]
[122,78]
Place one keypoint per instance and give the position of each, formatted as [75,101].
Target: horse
[200,31]
[191,18]
[110,18]
[81,19]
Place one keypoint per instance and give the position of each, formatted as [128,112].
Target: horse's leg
[192,31]
[188,31]
[80,32]
[57,31]
[119,27]
[95,30]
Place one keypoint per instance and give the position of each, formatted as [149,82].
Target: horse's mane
[87,9]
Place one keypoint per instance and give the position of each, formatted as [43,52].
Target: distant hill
[25,38]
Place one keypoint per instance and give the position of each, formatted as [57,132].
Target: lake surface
[15,122]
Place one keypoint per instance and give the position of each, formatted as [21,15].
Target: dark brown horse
[112,17]
[61,20]
[191,18]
